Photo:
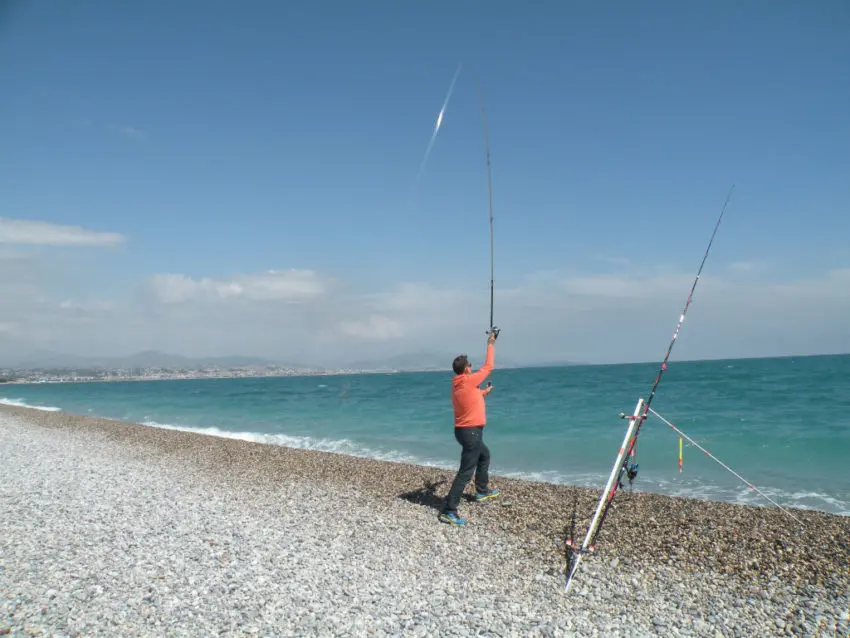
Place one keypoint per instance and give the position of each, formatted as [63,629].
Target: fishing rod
[627,449]
[440,116]
[493,329]
[632,471]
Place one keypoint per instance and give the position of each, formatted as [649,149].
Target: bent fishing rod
[627,450]
[493,329]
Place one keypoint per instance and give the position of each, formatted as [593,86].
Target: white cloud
[22,231]
[834,283]
[375,328]
[90,306]
[754,267]
[308,316]
[623,287]
[271,285]
[598,318]
[410,308]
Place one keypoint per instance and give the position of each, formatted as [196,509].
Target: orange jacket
[468,398]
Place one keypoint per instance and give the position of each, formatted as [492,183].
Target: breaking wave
[19,403]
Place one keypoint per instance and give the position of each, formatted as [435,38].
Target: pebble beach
[116,529]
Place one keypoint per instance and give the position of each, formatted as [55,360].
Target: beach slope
[110,528]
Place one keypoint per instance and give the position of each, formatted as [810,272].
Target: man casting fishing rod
[470,419]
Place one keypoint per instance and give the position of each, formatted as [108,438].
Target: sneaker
[452,519]
[483,496]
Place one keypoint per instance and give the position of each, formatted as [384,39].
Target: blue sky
[214,142]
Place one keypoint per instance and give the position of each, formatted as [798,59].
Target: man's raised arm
[484,371]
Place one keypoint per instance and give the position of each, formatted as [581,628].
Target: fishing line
[722,464]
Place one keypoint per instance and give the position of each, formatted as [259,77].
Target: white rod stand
[606,494]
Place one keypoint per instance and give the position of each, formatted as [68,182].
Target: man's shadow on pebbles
[427,495]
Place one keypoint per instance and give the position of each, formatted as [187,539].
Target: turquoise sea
[780,423]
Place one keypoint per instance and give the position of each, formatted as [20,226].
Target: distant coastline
[58,375]
[152,365]
[36,377]
[176,367]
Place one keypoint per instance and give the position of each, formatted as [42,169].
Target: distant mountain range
[46,359]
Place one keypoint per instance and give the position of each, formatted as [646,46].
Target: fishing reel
[631,474]
[495,332]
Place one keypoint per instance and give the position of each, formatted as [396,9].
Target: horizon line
[523,366]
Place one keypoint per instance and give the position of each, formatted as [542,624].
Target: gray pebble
[103,535]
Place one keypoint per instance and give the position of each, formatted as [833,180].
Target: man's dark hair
[460,363]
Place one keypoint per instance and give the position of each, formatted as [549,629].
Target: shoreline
[758,543]
[838,508]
